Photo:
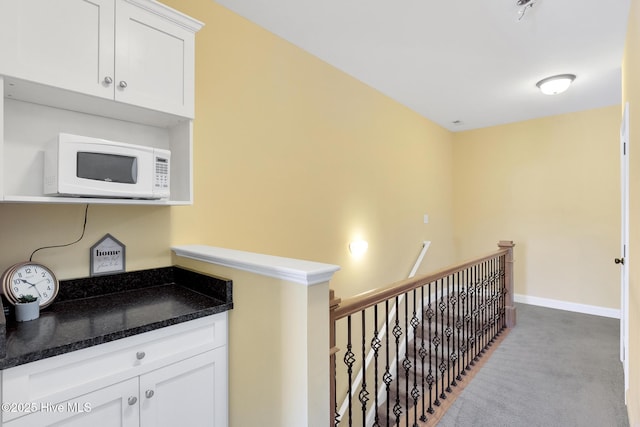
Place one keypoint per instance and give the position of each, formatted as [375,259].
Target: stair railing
[381,333]
[445,323]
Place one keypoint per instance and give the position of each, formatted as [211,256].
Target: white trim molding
[293,270]
[568,306]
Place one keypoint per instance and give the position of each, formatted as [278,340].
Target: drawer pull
[149,394]
[140,355]
[132,400]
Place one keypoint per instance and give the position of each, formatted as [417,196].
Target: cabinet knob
[108,80]
[140,355]
[123,84]
[149,394]
[132,400]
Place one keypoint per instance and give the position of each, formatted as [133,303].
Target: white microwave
[82,166]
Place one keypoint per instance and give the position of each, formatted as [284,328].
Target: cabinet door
[106,407]
[63,43]
[192,392]
[154,61]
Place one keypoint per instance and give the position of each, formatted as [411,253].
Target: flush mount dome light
[555,84]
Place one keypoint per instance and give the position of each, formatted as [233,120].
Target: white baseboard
[568,306]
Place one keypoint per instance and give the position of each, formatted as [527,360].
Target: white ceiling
[465,60]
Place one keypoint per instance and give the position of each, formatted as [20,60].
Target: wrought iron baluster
[423,354]
[415,392]
[349,360]
[406,363]
[442,305]
[448,333]
[459,324]
[503,293]
[464,363]
[482,307]
[494,300]
[492,303]
[363,396]
[387,377]
[474,315]
[499,296]
[397,333]
[375,345]
[430,380]
[485,306]
[436,344]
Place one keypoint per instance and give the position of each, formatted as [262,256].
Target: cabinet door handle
[123,84]
[108,80]
[132,400]
[140,355]
[149,394]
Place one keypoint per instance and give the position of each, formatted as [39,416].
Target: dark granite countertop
[96,310]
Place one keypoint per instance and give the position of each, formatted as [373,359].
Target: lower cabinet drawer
[60,378]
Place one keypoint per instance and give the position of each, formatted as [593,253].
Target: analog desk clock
[30,278]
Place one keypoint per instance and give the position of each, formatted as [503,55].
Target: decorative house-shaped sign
[107,256]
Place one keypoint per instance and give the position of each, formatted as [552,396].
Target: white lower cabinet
[186,393]
[108,407]
[169,377]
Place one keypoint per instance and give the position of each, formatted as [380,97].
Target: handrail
[470,337]
[375,296]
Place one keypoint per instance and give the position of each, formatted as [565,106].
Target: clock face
[30,279]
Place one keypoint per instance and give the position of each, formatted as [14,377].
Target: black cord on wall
[84,227]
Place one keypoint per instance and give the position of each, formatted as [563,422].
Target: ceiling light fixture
[525,4]
[555,84]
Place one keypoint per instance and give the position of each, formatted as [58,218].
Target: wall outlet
[426,219]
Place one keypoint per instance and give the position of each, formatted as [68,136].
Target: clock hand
[31,284]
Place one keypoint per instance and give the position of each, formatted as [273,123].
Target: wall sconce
[555,84]
[358,247]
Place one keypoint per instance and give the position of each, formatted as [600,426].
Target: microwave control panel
[161,182]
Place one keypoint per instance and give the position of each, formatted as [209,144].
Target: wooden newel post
[510,308]
[333,304]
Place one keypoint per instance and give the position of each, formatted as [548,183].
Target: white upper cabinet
[154,62]
[137,52]
[68,44]
[121,70]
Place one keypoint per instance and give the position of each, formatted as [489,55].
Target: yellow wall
[294,158]
[552,186]
[26,227]
[631,94]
